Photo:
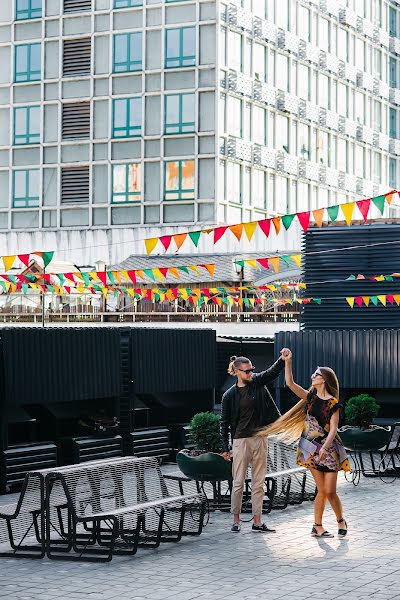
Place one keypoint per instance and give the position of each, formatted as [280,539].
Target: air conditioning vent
[72,6]
[75,185]
[76,58]
[76,121]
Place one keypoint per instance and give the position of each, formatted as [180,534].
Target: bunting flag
[273,260]
[303,217]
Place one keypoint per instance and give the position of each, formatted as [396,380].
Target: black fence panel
[168,360]
[361,359]
[333,267]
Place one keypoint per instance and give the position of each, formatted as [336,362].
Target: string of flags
[304,218]
[373,278]
[9,261]
[273,261]
[382,299]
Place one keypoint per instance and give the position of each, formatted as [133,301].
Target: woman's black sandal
[342,532]
[324,534]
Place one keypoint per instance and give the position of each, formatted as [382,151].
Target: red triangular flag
[358,300]
[219,232]
[263,262]
[132,276]
[24,258]
[166,240]
[265,226]
[390,299]
[163,271]
[67,289]
[363,207]
[304,219]
[102,275]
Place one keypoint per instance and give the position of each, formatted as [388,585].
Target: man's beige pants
[247,452]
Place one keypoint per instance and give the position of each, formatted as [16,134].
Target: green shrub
[361,410]
[204,432]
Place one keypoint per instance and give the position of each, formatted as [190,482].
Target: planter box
[357,439]
[206,467]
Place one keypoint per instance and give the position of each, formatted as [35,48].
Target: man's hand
[226,455]
[286,354]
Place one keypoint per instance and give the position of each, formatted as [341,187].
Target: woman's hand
[226,455]
[322,453]
[286,354]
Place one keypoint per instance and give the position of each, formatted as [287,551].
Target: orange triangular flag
[139,273]
[277,224]
[8,262]
[117,275]
[397,299]
[275,263]
[174,272]
[318,216]
[347,210]
[366,300]
[389,197]
[210,269]
[237,230]
[219,301]
[179,238]
[350,302]
[296,258]
[150,244]
[250,229]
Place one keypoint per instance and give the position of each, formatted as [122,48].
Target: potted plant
[359,433]
[205,461]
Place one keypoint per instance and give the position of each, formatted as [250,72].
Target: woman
[315,421]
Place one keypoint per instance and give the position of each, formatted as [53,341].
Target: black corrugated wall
[338,265]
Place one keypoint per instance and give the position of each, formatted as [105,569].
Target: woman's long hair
[289,426]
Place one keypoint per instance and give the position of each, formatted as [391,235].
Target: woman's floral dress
[315,432]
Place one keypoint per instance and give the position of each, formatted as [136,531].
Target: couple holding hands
[249,415]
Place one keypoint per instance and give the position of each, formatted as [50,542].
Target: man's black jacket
[266,408]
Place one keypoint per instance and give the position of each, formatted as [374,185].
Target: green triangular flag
[389,278]
[246,301]
[200,301]
[30,277]
[286,259]
[149,273]
[115,293]
[96,287]
[225,300]
[379,202]
[333,212]
[86,278]
[47,258]
[156,297]
[111,278]
[287,221]
[50,288]
[195,236]
[239,262]
[184,269]
[60,277]
[374,300]
[351,277]
[25,287]
[317,300]
[3,285]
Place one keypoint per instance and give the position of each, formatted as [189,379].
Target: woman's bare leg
[320,499]
[331,494]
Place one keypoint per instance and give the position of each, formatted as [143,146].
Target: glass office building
[149,113]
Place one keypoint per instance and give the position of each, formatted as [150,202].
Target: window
[235,117]
[76,121]
[303,82]
[392,72]
[259,62]
[392,21]
[77,57]
[259,125]
[75,185]
[342,44]
[28,9]
[342,99]
[234,183]
[180,47]
[235,50]
[26,125]
[282,72]
[323,91]
[342,155]
[259,189]
[392,122]
[127,52]
[126,183]
[179,113]
[179,180]
[392,172]
[26,188]
[304,141]
[323,35]
[27,62]
[127,3]
[303,26]
[282,134]
[127,117]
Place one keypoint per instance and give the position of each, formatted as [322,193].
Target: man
[246,407]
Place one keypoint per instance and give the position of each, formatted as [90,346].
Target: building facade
[142,115]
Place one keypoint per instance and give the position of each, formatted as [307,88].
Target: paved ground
[221,565]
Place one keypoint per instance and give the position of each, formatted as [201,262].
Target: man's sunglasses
[247,371]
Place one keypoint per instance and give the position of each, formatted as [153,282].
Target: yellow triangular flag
[382,299]
[366,300]
[194,268]
[130,291]
[350,302]
[93,275]
[158,274]
[296,258]
[196,292]
[214,290]
[303,285]
[105,291]
[250,229]
[252,301]
[251,263]
[150,244]
[183,293]
[347,210]
[275,263]
[380,278]
[8,262]
[126,276]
